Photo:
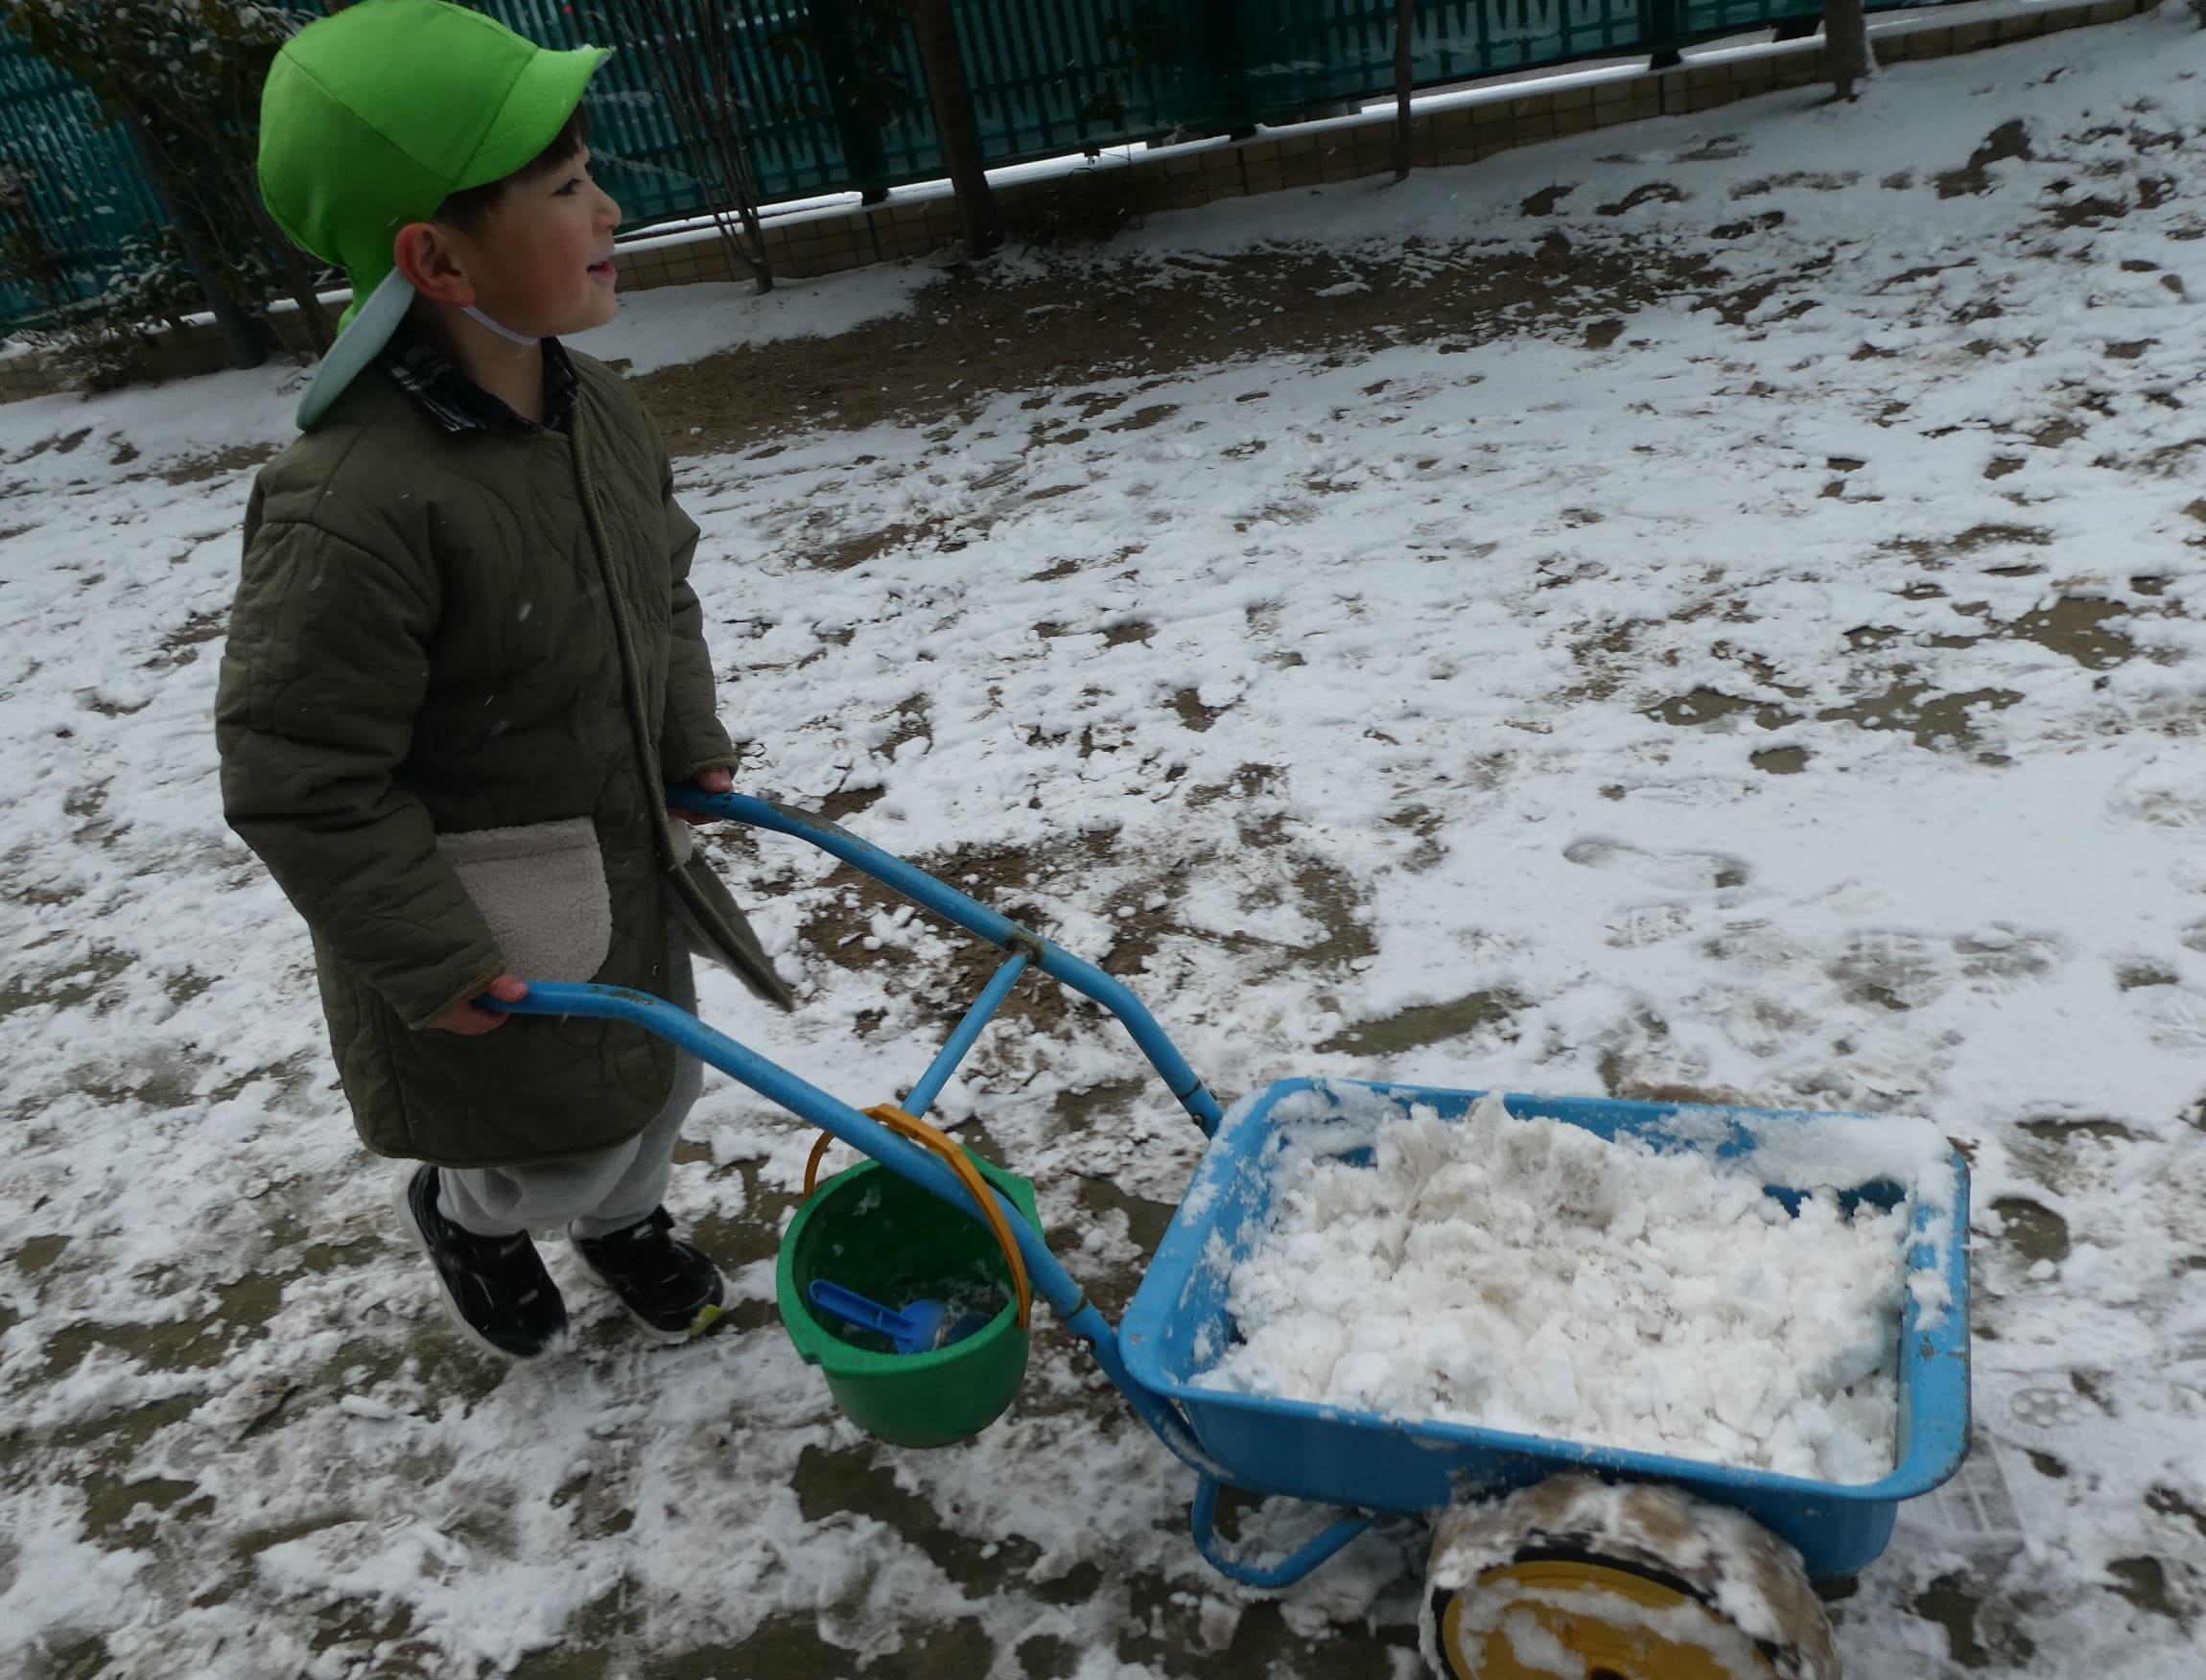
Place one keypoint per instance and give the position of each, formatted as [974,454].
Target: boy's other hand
[470,1020]
[711,782]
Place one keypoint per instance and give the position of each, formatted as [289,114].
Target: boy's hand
[470,1020]
[711,782]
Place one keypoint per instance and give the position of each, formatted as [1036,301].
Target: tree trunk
[954,124]
[296,277]
[714,90]
[1847,39]
[1404,19]
[242,335]
[314,319]
[685,44]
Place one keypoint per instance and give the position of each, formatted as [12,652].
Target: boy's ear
[433,263]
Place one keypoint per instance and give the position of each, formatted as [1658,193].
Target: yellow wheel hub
[1533,1621]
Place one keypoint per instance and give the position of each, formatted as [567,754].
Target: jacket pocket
[542,890]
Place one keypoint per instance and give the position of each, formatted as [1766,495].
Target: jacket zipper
[623,638]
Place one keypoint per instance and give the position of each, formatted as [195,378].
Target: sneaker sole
[444,1296]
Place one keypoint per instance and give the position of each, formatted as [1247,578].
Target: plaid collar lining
[459,405]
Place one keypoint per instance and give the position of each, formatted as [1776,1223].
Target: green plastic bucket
[886,1238]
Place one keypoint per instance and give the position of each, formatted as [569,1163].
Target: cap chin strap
[523,339]
[375,318]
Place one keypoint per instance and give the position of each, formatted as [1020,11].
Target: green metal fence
[1047,77]
[70,190]
[1051,77]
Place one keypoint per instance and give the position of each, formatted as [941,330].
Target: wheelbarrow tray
[1178,1323]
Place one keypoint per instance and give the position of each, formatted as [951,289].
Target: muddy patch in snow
[1078,324]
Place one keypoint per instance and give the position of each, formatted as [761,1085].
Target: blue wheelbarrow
[1550,1557]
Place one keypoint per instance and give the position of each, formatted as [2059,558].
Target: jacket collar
[459,405]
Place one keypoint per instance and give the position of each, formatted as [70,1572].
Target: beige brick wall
[1271,164]
[26,376]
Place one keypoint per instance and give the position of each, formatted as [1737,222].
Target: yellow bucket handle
[942,1144]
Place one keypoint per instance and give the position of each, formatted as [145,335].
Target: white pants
[589,1195]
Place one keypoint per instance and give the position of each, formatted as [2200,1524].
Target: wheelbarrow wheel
[1581,1579]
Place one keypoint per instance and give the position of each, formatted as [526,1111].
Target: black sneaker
[668,1287]
[494,1288]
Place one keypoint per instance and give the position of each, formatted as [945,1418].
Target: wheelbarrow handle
[800,1097]
[869,1136]
[968,913]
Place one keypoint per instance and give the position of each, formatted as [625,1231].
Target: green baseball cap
[372,118]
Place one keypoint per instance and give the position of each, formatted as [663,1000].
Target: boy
[465,658]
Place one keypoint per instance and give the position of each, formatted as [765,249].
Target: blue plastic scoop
[921,1327]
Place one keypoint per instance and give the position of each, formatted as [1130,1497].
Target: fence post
[1225,64]
[1662,22]
[1405,25]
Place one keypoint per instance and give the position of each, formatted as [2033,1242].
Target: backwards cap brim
[370,324]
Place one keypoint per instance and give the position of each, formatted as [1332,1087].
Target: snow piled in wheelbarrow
[1526,1275]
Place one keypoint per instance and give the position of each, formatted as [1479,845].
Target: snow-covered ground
[1798,700]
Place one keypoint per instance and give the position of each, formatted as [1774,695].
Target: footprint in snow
[1896,969]
[1756,946]
[1678,871]
[1889,968]
[2048,1408]
[2164,795]
[1646,924]
[2000,959]
[2174,1016]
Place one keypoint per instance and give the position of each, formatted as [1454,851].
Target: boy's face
[541,261]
